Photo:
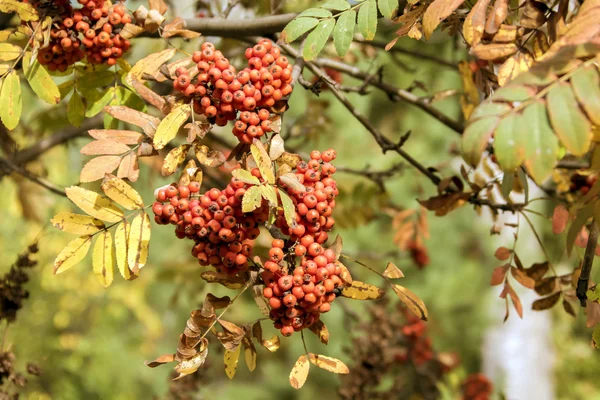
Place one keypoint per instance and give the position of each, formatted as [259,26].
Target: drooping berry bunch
[214,221]
[476,387]
[222,94]
[92,30]
[419,349]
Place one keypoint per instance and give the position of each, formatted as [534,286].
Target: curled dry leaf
[147,122]
[231,282]
[149,65]
[164,359]
[319,329]
[196,130]
[299,373]
[328,363]
[345,276]
[537,271]
[362,291]
[494,51]
[291,180]
[129,167]
[77,223]
[497,16]
[191,365]
[174,159]
[337,246]
[521,277]
[271,344]
[546,302]
[475,22]
[94,204]
[499,274]
[392,271]
[123,194]
[209,158]
[412,301]
[438,11]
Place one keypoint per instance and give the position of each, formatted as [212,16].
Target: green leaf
[344,32]
[367,19]
[512,93]
[96,80]
[338,5]
[245,176]
[76,109]
[268,193]
[476,137]
[387,7]
[65,88]
[541,145]
[297,28]
[252,199]
[168,127]
[98,100]
[11,103]
[586,84]
[40,81]
[569,123]
[317,39]
[508,143]
[315,12]
[289,211]
[9,51]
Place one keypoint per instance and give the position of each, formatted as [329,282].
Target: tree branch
[234,28]
[8,165]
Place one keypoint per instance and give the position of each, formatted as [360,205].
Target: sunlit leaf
[96,168]
[289,211]
[170,125]
[123,194]
[299,373]
[245,176]
[319,329]
[362,291]
[317,39]
[437,11]
[94,204]
[11,103]
[392,271]
[412,301]
[231,359]
[343,32]
[174,159]
[103,259]
[72,254]
[328,363]
[121,242]
[40,81]
[139,241]
[77,223]
[298,27]
[367,19]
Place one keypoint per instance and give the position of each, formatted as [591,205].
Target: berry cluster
[476,387]
[222,94]
[582,183]
[418,253]
[214,220]
[419,346]
[92,31]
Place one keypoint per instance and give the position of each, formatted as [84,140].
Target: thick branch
[586,265]
[234,28]
[394,92]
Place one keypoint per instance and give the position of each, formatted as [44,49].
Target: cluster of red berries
[314,206]
[92,31]
[222,94]
[476,387]
[582,183]
[214,221]
[418,253]
[420,348]
[298,299]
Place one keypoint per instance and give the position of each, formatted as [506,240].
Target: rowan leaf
[25,11]
[475,22]
[148,123]
[72,254]
[231,359]
[392,271]
[502,253]
[315,12]
[328,363]
[388,7]
[586,85]
[317,39]
[205,156]
[268,193]
[412,301]
[289,211]
[96,168]
[245,176]
[103,259]
[291,180]
[77,223]
[252,199]
[170,125]
[231,282]
[560,218]
[76,111]
[319,329]
[493,51]
[522,277]
[343,33]
[174,159]
[40,81]
[508,143]
[139,241]
[9,51]
[263,161]
[149,65]
[367,19]
[104,146]
[123,194]
[94,204]
[362,291]
[499,274]
[129,167]
[121,242]
[337,5]
[249,354]
[438,11]
[546,302]
[298,27]
[276,147]
[482,124]
[11,102]
[299,373]
[541,145]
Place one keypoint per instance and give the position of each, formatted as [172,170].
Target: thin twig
[586,265]
[8,165]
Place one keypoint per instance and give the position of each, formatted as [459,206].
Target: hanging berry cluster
[476,387]
[223,94]
[92,30]
[420,348]
[214,220]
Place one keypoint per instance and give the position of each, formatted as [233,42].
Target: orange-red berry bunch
[476,387]
[214,220]
[222,94]
[92,31]
[298,299]
[420,348]
[314,205]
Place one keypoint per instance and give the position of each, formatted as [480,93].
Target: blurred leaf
[297,27]
[40,81]
[25,11]
[10,51]
[231,359]
[541,146]
[315,12]
[560,218]
[499,274]
[121,241]
[164,359]
[268,193]
[207,157]
[104,146]
[475,22]
[11,103]
[502,253]
[388,7]
[276,148]
[412,301]
[438,11]
[392,271]
[289,211]
[546,302]
[337,5]
[521,277]
[245,176]
[319,329]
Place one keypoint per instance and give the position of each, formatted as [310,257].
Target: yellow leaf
[328,363]
[412,301]
[94,204]
[319,329]
[252,199]
[9,51]
[231,359]
[120,192]
[77,223]
[40,81]
[96,168]
[345,275]
[175,158]
[169,126]
[362,291]
[470,98]
[438,11]
[25,11]
[263,161]
[475,22]
[299,373]
[149,65]
[102,259]
[249,354]
[11,103]
[392,272]
[73,253]
[139,240]
[121,239]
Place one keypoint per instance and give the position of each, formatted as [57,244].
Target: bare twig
[586,265]
[8,165]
